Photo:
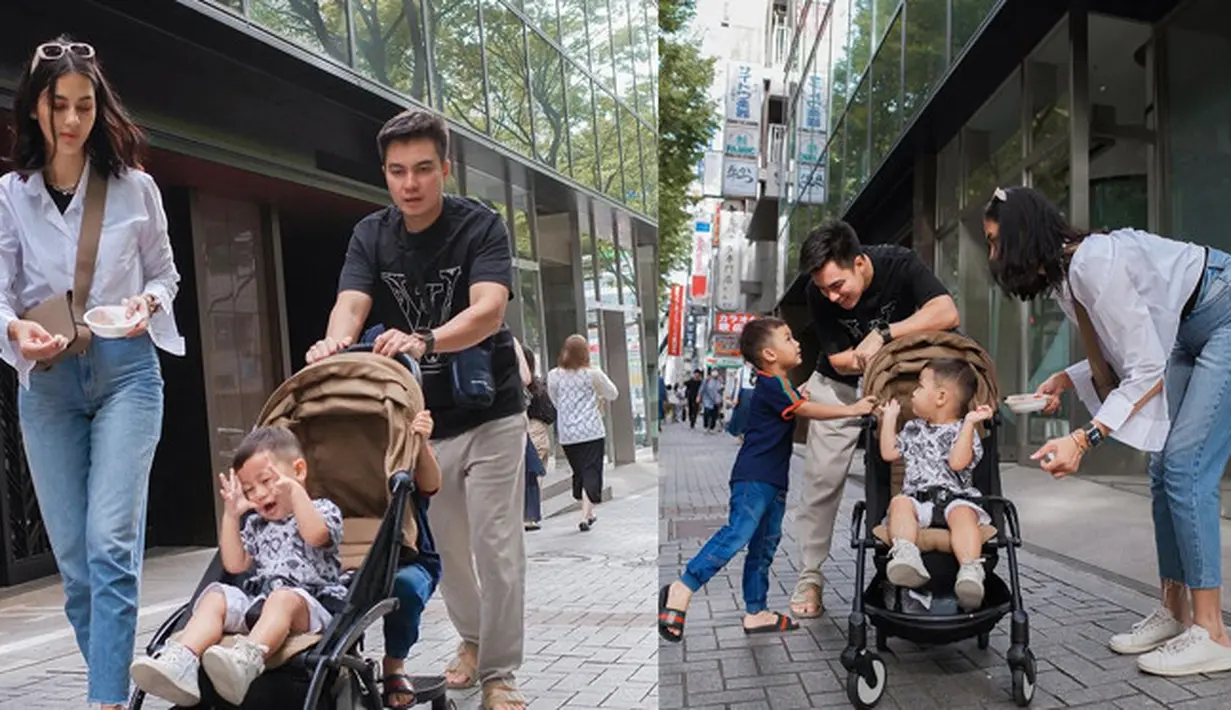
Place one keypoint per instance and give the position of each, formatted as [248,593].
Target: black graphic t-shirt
[422,280]
[901,284]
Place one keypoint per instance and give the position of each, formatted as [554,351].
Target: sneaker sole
[969,595]
[1209,667]
[221,676]
[1126,650]
[903,575]
[153,682]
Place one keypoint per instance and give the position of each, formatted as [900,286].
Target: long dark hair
[115,143]
[536,386]
[1030,253]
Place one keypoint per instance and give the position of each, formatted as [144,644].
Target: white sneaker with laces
[969,585]
[170,675]
[1148,634]
[905,568]
[1190,653]
[232,670]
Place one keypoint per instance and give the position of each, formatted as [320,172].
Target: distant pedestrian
[711,401]
[541,414]
[692,396]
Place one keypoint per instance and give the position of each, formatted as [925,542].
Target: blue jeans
[755,521]
[91,425]
[413,586]
[1185,476]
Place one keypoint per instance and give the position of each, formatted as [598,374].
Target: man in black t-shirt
[859,298]
[692,394]
[436,271]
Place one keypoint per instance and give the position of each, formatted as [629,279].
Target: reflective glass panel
[458,56]
[509,103]
[389,44]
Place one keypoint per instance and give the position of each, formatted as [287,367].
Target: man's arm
[939,313]
[478,322]
[846,363]
[349,314]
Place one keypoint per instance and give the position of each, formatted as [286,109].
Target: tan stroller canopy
[894,371]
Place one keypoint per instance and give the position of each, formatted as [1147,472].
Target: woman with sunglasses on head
[90,408]
[1155,319]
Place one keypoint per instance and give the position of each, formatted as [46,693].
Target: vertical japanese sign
[742,131]
[729,266]
[701,254]
[810,136]
[675,321]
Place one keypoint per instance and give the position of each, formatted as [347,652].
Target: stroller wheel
[1023,681]
[985,640]
[863,694]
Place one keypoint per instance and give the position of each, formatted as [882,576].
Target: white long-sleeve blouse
[38,253]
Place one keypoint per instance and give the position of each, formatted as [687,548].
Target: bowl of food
[109,321]
[1026,403]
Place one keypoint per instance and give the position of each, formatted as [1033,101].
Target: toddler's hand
[284,491]
[233,495]
[980,414]
[423,424]
[891,409]
[864,406]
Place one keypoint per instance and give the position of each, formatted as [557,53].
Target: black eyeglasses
[55,50]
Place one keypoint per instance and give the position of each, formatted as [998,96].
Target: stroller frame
[866,670]
[369,598]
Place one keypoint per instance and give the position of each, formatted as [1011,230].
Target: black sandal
[783,623]
[669,620]
[396,684]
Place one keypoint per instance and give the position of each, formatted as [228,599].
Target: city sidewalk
[590,639]
[1072,613]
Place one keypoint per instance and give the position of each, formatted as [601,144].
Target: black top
[61,199]
[422,280]
[692,390]
[901,284]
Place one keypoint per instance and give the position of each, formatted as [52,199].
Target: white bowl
[1026,403]
[109,321]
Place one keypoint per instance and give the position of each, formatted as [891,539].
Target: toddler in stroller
[357,422]
[935,559]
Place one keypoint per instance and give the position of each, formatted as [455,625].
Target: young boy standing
[759,482]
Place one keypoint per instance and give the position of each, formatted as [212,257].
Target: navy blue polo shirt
[769,436]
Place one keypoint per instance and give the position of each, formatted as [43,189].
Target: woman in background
[541,414]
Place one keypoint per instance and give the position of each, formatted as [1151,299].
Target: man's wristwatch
[429,340]
[883,330]
[1094,435]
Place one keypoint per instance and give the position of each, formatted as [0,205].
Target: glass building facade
[1108,111]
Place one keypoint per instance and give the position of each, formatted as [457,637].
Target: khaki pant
[831,446]
[477,522]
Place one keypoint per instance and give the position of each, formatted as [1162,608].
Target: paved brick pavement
[590,640]
[1072,612]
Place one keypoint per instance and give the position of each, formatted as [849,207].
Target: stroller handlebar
[406,360]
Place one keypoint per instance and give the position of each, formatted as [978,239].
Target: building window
[547,96]
[581,125]
[886,81]
[505,49]
[967,15]
[389,45]
[458,58]
[318,25]
[925,52]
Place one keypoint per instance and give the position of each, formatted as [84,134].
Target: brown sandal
[807,594]
[466,663]
[502,692]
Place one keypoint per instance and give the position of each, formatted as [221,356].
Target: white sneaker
[1148,634]
[232,670]
[1190,653]
[171,675]
[905,568]
[969,585]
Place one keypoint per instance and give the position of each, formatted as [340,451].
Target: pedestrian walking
[541,414]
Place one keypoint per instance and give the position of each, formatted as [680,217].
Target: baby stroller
[896,612]
[352,414]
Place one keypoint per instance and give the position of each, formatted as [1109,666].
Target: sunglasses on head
[52,51]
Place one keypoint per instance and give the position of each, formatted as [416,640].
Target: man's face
[842,286]
[415,176]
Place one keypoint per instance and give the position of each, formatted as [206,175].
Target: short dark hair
[277,441]
[1029,259]
[834,240]
[413,124]
[115,143]
[756,335]
[958,373]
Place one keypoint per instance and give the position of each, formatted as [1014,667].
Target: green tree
[686,123]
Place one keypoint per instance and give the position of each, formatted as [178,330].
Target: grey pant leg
[831,446]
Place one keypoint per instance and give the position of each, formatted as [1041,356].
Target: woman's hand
[34,342]
[1053,387]
[233,496]
[1060,456]
[133,306]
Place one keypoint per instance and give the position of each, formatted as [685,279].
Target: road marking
[52,636]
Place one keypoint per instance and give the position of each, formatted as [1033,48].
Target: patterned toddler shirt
[282,558]
[925,449]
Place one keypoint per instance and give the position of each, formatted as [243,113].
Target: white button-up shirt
[1134,286]
[38,253]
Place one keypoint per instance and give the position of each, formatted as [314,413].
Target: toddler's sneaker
[969,585]
[905,568]
[1148,634]
[1190,653]
[232,670]
[170,675]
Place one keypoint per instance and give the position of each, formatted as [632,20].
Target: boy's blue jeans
[756,522]
[413,586]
